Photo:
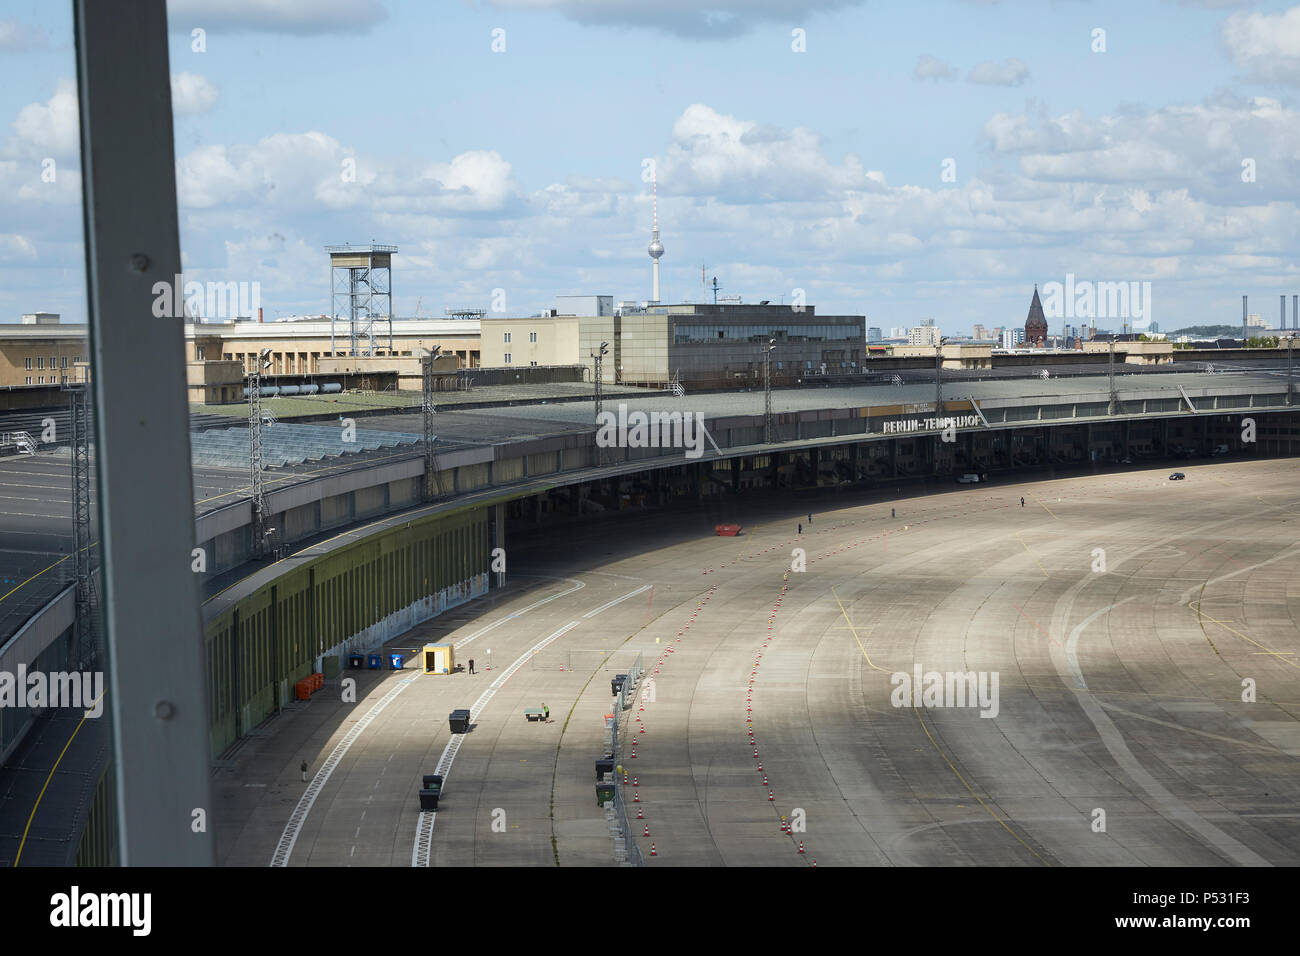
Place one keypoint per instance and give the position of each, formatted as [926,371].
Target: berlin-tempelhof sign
[904,425]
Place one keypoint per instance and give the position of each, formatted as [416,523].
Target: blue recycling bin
[376,662]
[395,661]
[355,661]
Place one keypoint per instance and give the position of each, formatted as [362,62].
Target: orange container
[302,689]
[317,681]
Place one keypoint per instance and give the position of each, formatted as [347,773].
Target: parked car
[1126,461]
[970,478]
[1177,476]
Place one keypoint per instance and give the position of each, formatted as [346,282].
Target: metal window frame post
[153,634]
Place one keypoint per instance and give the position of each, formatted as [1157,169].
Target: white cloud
[689,19]
[477,181]
[18,37]
[739,161]
[50,128]
[192,94]
[1199,148]
[1011,73]
[1265,45]
[303,17]
[16,248]
[932,68]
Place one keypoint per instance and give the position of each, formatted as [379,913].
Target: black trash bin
[604,766]
[433,781]
[459,720]
[616,683]
[604,793]
[429,799]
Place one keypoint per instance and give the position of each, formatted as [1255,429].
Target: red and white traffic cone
[647,829]
[652,850]
[638,814]
[636,797]
[801,846]
[770,796]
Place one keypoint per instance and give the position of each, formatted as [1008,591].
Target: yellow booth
[438,659]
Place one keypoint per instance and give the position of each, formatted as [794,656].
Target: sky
[895,160]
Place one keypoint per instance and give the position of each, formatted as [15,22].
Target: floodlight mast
[255,462]
[767,390]
[598,357]
[428,409]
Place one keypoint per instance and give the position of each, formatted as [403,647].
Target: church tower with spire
[1036,323]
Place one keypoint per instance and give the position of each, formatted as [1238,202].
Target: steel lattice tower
[257,545]
[361,290]
[1290,381]
[599,357]
[432,485]
[87,651]
[1110,372]
[767,391]
[938,379]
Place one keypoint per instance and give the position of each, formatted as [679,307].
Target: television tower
[656,248]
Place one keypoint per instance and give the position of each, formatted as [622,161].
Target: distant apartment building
[873,334]
[1013,338]
[923,334]
[980,332]
[595,305]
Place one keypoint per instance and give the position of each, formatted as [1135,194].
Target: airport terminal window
[532,336]
[507,336]
[507,358]
[29,363]
[40,361]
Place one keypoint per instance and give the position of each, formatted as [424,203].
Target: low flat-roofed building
[955,355]
[538,340]
[1136,353]
[296,348]
[214,382]
[34,353]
